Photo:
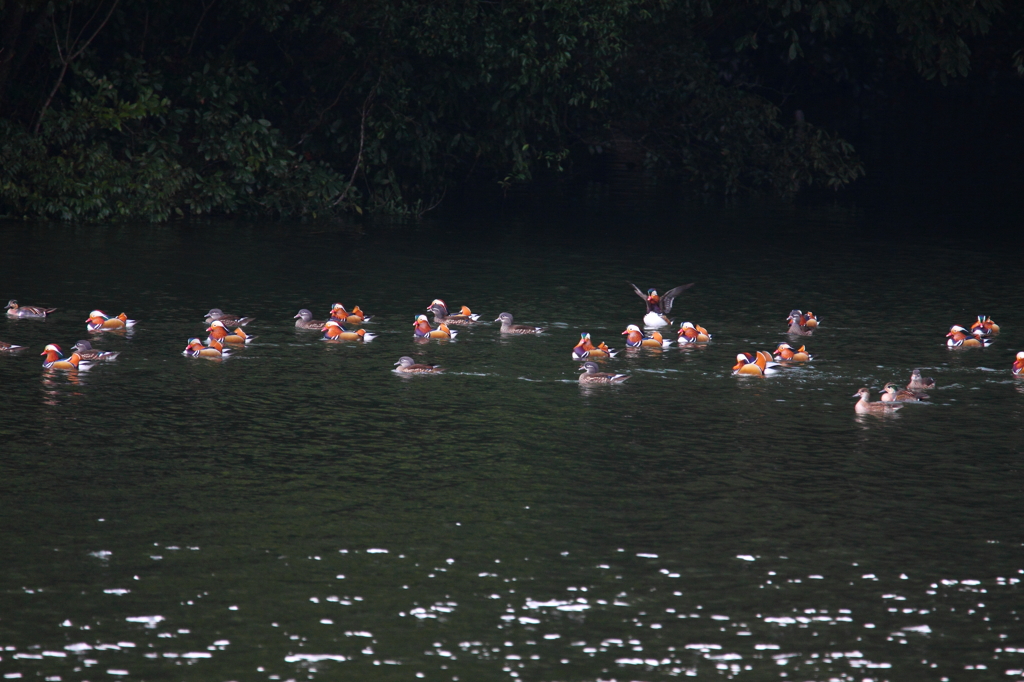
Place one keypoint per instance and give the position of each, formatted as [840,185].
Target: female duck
[920,383]
[89,354]
[797,324]
[508,328]
[865,406]
[15,310]
[592,375]
[304,320]
[228,319]
[894,394]
[407,365]
[9,347]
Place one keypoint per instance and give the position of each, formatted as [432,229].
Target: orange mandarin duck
[958,337]
[755,364]
[1018,365]
[984,326]
[441,314]
[99,321]
[586,349]
[220,332]
[55,359]
[636,339]
[692,333]
[810,320]
[658,307]
[196,349]
[15,310]
[333,331]
[785,353]
[421,329]
[357,316]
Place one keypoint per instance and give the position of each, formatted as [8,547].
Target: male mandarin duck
[99,321]
[196,349]
[958,337]
[785,353]
[304,320]
[894,394]
[658,307]
[586,349]
[865,406]
[15,310]
[755,364]
[810,320]
[55,359]
[984,326]
[228,319]
[357,316]
[220,332]
[407,365]
[441,314]
[919,383]
[1018,365]
[636,339]
[422,330]
[88,353]
[333,331]
[9,347]
[591,375]
[798,324]
[507,326]
[692,333]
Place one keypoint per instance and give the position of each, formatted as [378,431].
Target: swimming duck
[8,347]
[636,339]
[219,331]
[89,354]
[333,331]
[304,320]
[196,349]
[15,310]
[1018,365]
[658,307]
[228,320]
[692,333]
[958,337]
[894,394]
[586,349]
[357,316]
[593,376]
[422,330]
[797,325]
[919,383]
[785,353]
[755,364]
[508,328]
[441,314]
[984,326]
[99,321]
[865,406]
[55,359]
[810,320]
[407,365]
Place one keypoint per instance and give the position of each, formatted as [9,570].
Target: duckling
[508,328]
[407,365]
[894,394]
[658,307]
[958,337]
[797,327]
[593,376]
[919,383]
[228,320]
[785,353]
[692,333]
[636,339]
[304,320]
[865,406]
[15,310]
[88,353]
[441,314]
[984,326]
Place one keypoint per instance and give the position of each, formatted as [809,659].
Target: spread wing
[640,294]
[669,296]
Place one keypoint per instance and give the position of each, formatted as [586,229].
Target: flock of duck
[225,330]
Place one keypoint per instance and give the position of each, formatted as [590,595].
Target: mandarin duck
[1018,365]
[692,333]
[421,329]
[99,321]
[15,310]
[755,364]
[507,326]
[357,316]
[785,353]
[196,349]
[440,311]
[304,320]
[984,326]
[658,307]
[219,331]
[797,324]
[407,365]
[958,337]
[894,394]
[89,354]
[636,339]
[865,406]
[333,331]
[810,320]
[586,349]
[55,359]
[9,347]
[228,320]
[591,375]
[919,383]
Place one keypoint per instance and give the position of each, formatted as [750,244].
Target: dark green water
[300,512]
